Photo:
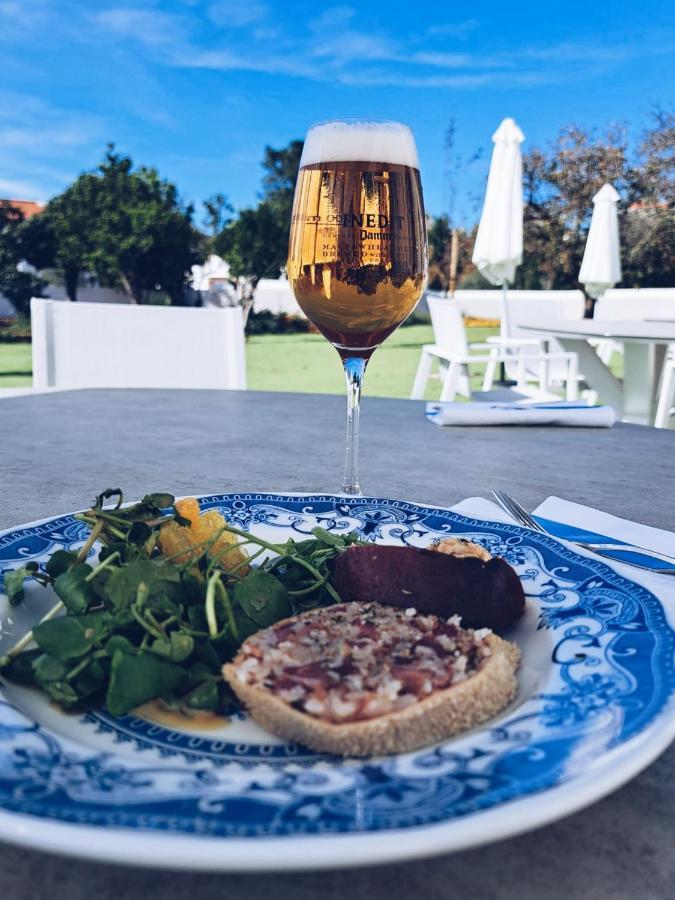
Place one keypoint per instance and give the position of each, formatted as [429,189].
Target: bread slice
[442,714]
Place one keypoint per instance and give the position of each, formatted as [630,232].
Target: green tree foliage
[439,234]
[17,286]
[127,225]
[559,185]
[217,210]
[143,238]
[255,244]
[648,226]
[281,173]
[62,236]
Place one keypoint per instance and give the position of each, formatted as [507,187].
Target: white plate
[594,708]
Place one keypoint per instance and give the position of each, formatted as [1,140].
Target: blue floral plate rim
[144,842]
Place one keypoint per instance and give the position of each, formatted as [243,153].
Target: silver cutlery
[523,517]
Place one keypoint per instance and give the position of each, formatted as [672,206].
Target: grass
[15,365]
[305,362]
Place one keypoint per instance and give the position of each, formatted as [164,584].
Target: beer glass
[358,250]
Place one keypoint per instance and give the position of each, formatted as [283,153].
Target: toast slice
[277,688]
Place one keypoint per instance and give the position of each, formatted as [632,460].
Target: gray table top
[58,450]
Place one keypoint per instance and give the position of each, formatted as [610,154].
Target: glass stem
[355,368]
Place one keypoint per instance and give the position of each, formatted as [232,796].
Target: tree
[559,187]
[217,213]
[438,237]
[281,173]
[255,244]
[127,225]
[62,236]
[143,238]
[16,285]
[648,225]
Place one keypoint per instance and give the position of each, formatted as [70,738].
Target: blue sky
[198,87]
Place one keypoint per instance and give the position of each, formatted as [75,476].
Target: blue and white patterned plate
[595,706]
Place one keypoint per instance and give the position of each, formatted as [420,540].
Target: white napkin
[562,413]
[557,509]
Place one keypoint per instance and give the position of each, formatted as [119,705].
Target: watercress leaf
[204,696]
[119,642]
[123,617]
[160,578]
[206,653]
[199,672]
[127,552]
[91,679]
[74,590]
[326,537]
[139,533]
[193,588]
[176,648]
[21,668]
[197,618]
[135,680]
[13,581]
[160,500]
[245,628]
[49,668]
[70,637]
[107,495]
[61,692]
[59,562]
[262,597]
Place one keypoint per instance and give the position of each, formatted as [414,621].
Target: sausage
[486,594]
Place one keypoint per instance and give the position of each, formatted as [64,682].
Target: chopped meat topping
[358,661]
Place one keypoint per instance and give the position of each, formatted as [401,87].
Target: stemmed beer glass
[358,250]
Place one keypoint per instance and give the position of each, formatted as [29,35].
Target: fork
[523,517]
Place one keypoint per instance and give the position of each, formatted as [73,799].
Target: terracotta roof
[27,207]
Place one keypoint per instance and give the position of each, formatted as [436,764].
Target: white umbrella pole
[504,329]
[503,312]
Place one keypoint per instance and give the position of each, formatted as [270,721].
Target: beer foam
[386,142]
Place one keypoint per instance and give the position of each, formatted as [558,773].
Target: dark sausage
[485,594]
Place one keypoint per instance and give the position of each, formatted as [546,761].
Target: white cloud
[238,13]
[445,60]
[150,26]
[19,189]
[37,144]
[460,30]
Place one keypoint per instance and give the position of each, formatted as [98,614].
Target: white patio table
[645,345]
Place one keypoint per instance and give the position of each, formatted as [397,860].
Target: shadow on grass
[19,373]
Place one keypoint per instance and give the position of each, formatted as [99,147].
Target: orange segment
[188,542]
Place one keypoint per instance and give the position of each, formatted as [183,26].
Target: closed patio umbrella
[601,265]
[498,250]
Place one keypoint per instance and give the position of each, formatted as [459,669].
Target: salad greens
[141,624]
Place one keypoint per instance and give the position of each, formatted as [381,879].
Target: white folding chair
[85,345]
[665,407]
[454,356]
[521,307]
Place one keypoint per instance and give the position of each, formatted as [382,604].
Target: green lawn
[15,365]
[304,362]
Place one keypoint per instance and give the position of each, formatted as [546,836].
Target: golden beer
[358,258]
